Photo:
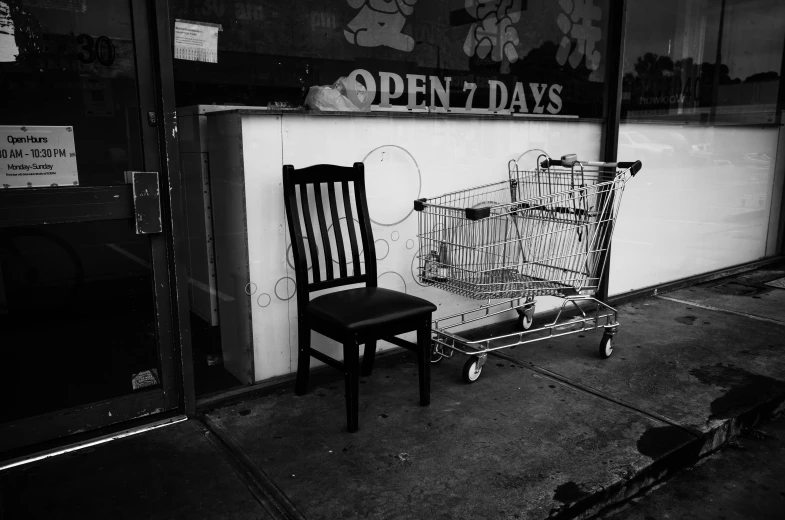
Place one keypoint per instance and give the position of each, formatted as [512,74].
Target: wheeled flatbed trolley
[543,232]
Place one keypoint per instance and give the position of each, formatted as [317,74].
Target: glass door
[85,306]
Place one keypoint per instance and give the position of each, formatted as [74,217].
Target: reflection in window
[77,320]
[73,64]
[703,61]
[490,56]
[639,138]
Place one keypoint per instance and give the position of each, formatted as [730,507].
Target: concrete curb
[690,446]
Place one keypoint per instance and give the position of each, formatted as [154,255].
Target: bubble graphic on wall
[392,280]
[285,288]
[395,236]
[410,244]
[382,248]
[263,300]
[393,182]
[347,246]
[528,159]
[290,256]
[416,271]
[250,288]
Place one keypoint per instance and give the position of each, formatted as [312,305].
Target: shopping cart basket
[542,232]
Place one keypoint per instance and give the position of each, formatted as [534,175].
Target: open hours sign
[36,156]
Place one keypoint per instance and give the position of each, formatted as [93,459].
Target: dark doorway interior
[77,316]
[209,373]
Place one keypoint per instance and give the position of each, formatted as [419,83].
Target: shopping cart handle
[633,166]
[478,213]
[471,213]
[566,161]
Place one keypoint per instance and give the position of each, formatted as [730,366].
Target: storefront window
[71,64]
[701,83]
[77,321]
[497,56]
[703,61]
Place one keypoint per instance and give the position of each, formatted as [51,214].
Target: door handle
[147,202]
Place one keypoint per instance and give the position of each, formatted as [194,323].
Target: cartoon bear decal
[379,23]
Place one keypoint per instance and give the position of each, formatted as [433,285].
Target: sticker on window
[196,41]
[37,156]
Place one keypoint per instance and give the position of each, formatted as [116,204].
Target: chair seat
[367,308]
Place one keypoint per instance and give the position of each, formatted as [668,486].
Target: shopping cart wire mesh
[541,232]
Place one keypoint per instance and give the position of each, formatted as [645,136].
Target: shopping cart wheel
[472,369]
[526,318]
[436,353]
[606,346]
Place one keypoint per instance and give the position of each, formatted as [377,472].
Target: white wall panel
[405,159]
[701,202]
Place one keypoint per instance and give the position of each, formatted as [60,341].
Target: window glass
[71,63]
[524,56]
[77,320]
[702,202]
[703,61]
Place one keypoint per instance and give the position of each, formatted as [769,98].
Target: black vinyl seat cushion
[366,308]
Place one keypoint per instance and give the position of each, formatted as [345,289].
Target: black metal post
[612,107]
[173,204]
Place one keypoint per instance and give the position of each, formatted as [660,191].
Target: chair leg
[368,357]
[303,358]
[351,361]
[424,362]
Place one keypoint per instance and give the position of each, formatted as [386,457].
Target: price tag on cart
[37,156]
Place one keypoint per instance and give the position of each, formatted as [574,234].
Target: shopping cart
[543,232]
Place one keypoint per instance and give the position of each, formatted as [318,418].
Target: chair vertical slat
[347,202]
[309,230]
[328,257]
[369,251]
[298,248]
[337,229]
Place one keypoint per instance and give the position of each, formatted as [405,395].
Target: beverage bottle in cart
[430,273]
[444,262]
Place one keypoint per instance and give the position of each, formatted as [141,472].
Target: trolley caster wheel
[526,318]
[472,369]
[606,346]
[436,353]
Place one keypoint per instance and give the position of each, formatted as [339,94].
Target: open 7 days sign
[36,156]
[547,98]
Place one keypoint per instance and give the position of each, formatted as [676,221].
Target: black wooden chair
[351,316]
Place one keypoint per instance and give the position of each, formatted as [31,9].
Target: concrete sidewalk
[548,431]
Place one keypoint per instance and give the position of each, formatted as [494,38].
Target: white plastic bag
[333,98]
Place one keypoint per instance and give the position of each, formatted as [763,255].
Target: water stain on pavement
[569,492]
[686,320]
[518,481]
[661,440]
[745,389]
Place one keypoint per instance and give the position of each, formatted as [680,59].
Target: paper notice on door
[196,41]
[35,156]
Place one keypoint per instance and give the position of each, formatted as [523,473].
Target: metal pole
[715,91]
[612,108]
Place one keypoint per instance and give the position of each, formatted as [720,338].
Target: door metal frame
[21,207]
[145,51]
[174,205]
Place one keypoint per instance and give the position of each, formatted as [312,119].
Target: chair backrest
[326,207]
